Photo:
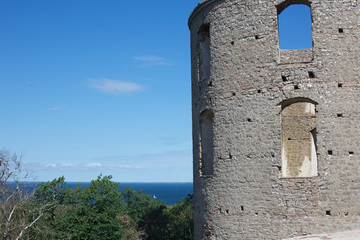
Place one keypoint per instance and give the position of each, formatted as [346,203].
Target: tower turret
[276,133]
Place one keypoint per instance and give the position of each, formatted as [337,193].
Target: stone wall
[246,196]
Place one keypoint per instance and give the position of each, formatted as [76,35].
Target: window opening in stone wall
[204,51]
[206,143]
[299,153]
[295,26]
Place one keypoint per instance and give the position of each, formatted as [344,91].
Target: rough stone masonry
[276,133]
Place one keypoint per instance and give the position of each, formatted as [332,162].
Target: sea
[170,193]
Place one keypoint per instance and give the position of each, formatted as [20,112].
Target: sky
[91,87]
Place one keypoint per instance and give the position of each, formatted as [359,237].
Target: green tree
[138,203]
[102,211]
[147,213]
[181,221]
[64,199]
[95,212]
[158,221]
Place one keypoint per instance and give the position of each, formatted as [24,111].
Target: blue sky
[90,87]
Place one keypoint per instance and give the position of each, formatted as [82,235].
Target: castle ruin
[276,133]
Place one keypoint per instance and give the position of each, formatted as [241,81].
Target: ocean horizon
[169,192]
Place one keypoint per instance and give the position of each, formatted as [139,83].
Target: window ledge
[298,178]
[290,56]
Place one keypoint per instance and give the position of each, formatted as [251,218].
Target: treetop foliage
[100,211]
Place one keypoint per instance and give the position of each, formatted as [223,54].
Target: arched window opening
[204,51]
[295,25]
[206,143]
[298,125]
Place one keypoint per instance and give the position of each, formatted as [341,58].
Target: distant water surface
[170,193]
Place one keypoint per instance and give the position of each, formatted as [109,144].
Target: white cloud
[176,159]
[51,165]
[67,165]
[173,166]
[114,86]
[153,61]
[85,166]
[93,165]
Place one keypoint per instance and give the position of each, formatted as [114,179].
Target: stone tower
[276,133]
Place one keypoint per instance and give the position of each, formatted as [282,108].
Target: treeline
[99,211]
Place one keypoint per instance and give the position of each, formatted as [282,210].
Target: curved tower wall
[283,157]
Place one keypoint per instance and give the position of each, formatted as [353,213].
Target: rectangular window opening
[206,143]
[299,150]
[204,51]
[295,27]
[295,33]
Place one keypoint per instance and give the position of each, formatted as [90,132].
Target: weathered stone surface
[348,235]
[289,56]
[248,83]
